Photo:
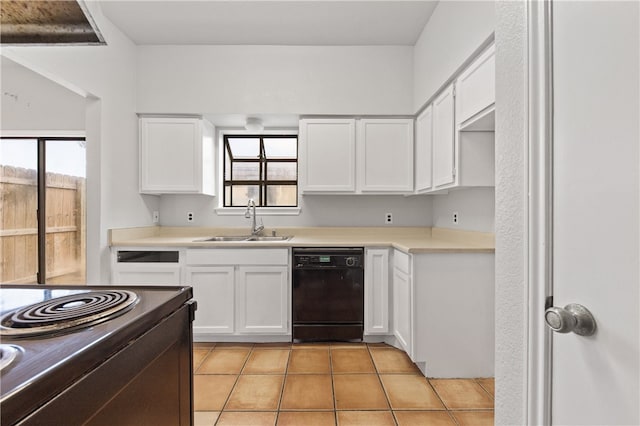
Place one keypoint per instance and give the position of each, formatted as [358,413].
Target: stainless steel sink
[269,238]
[220,238]
[226,238]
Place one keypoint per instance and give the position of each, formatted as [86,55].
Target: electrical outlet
[455,218]
[388,218]
[156,217]
[190,217]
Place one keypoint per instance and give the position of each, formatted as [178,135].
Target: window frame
[263,167]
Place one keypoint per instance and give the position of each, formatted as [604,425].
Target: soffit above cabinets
[271,22]
[47,22]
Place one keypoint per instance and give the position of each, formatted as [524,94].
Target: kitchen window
[260,167]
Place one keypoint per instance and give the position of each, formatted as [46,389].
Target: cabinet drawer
[401,261]
[238,256]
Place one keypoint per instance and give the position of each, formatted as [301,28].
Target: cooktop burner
[67,313]
[8,354]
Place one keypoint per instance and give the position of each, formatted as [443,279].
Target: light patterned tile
[410,392]
[198,356]
[351,361]
[392,361]
[309,361]
[474,418]
[359,392]
[228,361]
[210,392]
[267,361]
[365,418]
[256,393]
[307,392]
[247,418]
[460,394]
[306,418]
[488,384]
[205,418]
[431,418]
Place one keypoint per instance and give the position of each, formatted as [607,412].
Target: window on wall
[261,167]
[42,210]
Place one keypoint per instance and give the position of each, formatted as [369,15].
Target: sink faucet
[250,213]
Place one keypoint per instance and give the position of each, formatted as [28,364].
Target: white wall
[275,79]
[106,75]
[511,207]
[31,102]
[316,210]
[454,32]
[475,208]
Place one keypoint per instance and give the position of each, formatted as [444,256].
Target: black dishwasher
[328,294]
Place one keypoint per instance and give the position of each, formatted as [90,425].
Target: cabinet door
[213,289]
[176,156]
[402,312]
[327,155]
[443,138]
[376,291]
[146,274]
[476,86]
[424,143]
[385,155]
[263,299]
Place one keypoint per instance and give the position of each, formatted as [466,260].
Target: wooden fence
[65,227]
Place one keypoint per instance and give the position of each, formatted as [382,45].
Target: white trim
[540,213]
[43,134]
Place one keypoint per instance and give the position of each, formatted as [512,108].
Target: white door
[596,116]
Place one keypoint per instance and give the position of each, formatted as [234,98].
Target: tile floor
[335,384]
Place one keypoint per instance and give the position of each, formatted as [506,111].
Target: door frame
[539,209]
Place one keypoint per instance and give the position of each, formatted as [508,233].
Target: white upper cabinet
[327,155]
[476,90]
[381,150]
[385,155]
[444,138]
[423,150]
[176,156]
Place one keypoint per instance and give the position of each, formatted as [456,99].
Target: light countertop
[406,239]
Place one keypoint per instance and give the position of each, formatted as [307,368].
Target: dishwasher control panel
[328,258]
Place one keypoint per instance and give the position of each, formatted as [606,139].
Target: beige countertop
[407,239]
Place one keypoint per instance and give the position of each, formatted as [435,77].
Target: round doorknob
[572,317]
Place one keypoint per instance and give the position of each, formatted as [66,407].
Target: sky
[64,157]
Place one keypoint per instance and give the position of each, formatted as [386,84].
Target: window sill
[260,211]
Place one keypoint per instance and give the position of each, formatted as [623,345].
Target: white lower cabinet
[213,290]
[239,291]
[145,266]
[376,291]
[450,313]
[146,274]
[262,299]
[402,302]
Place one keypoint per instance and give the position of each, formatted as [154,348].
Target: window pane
[282,195]
[281,147]
[66,171]
[244,147]
[246,171]
[242,193]
[281,171]
[227,165]
[18,206]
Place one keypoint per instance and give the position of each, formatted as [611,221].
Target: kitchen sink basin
[269,238]
[226,238]
[244,238]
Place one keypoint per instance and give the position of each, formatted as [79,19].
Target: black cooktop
[54,361]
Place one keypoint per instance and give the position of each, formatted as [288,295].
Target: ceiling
[270,22]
